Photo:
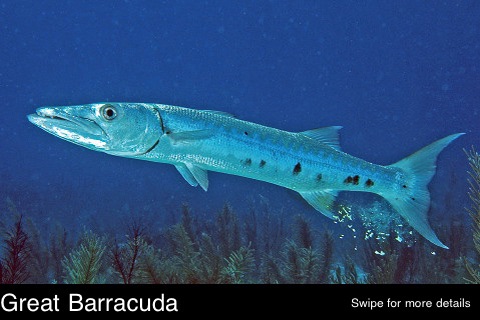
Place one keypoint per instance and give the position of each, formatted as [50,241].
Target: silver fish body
[298,161]
[197,141]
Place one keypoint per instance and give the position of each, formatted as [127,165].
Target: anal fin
[321,200]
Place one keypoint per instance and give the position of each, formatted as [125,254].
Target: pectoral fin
[321,200]
[193,174]
[189,136]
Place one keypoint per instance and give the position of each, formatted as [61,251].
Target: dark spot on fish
[412,198]
[262,163]
[404,186]
[355,180]
[246,133]
[319,177]
[350,179]
[168,132]
[369,183]
[297,168]
[247,162]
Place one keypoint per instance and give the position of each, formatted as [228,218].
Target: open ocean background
[397,75]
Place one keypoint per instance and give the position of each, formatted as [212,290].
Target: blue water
[397,75]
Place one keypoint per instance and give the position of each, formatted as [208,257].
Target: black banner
[237,299]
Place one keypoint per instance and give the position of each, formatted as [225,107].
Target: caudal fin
[419,169]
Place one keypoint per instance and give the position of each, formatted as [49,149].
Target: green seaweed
[347,273]
[299,264]
[59,246]
[83,264]
[155,267]
[211,260]
[14,267]
[238,265]
[474,193]
[261,245]
[124,258]
[39,261]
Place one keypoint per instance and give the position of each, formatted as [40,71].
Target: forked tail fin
[419,169]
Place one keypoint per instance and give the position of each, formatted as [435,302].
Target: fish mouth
[74,128]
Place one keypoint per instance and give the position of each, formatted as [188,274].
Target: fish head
[124,129]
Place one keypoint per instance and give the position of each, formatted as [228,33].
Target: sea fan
[299,264]
[239,263]
[125,257]
[154,267]
[474,194]
[347,274]
[326,257]
[14,267]
[82,266]
[186,257]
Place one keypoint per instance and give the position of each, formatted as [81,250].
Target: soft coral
[14,266]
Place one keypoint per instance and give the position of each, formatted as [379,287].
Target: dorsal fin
[326,135]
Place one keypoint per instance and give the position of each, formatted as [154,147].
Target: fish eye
[109,112]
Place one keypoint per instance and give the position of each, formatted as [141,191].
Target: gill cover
[132,128]
[124,129]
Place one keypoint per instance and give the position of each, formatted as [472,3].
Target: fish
[197,141]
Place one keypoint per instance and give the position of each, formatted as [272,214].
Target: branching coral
[40,258]
[474,194]
[14,267]
[59,246]
[260,247]
[125,258]
[186,258]
[300,261]
[155,267]
[326,257]
[347,274]
[187,221]
[83,264]
[239,263]
[210,260]
[228,231]
[303,232]
[299,264]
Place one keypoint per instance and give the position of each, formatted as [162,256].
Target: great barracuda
[196,141]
